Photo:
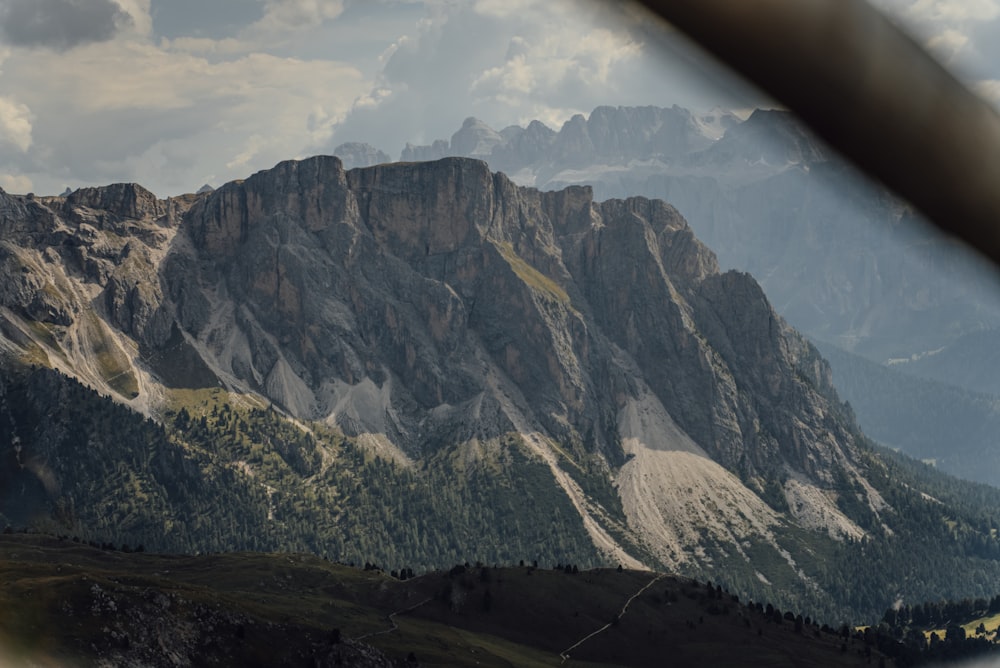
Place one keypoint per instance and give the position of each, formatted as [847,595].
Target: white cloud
[559,59]
[507,8]
[948,44]
[989,90]
[142,19]
[284,15]
[962,34]
[60,24]
[252,148]
[545,68]
[15,124]
[507,62]
[240,95]
[227,46]
[955,10]
[166,116]
[372,99]
[15,183]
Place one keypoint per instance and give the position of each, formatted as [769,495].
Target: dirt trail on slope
[565,653]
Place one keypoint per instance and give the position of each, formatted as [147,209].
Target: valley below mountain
[421,364]
[945,425]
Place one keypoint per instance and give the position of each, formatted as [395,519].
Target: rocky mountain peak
[310,189]
[121,200]
[484,249]
[828,246]
[573,144]
[475,139]
[717,121]
[439,149]
[572,364]
[436,307]
[623,133]
[359,154]
[612,135]
[770,136]
[449,204]
[23,215]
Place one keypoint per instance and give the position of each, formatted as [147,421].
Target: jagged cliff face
[435,306]
[841,259]
[79,282]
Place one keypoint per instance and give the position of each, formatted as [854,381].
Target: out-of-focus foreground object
[871,92]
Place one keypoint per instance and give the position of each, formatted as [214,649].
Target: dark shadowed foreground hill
[66,603]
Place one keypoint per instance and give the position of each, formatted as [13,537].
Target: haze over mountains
[462,368]
[839,258]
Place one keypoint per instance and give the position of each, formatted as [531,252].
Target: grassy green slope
[225,474]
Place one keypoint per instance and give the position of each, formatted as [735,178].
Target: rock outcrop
[843,261]
[433,306]
[405,274]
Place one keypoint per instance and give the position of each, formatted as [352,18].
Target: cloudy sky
[176,93]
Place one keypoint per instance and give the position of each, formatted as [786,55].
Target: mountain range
[424,363]
[840,258]
[843,260]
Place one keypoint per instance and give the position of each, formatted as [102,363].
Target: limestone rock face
[81,282]
[426,305]
[446,286]
[843,261]
[625,133]
[521,146]
[122,201]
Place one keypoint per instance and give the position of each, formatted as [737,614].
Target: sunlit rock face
[421,306]
[840,259]
[416,275]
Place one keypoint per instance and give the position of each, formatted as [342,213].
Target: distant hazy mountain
[841,259]
[357,154]
[956,429]
[424,362]
[969,361]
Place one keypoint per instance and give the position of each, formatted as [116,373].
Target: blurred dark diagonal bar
[871,92]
